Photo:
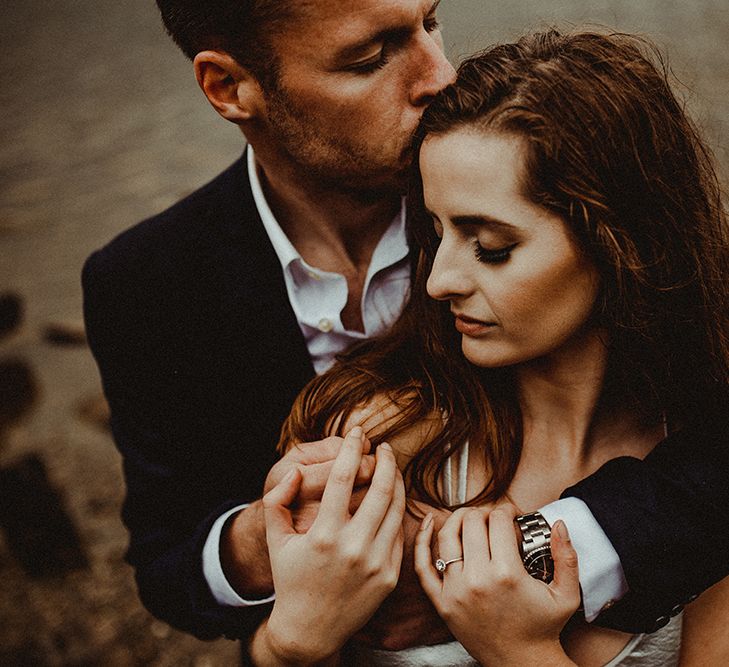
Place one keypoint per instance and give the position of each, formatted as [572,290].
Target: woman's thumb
[566,570]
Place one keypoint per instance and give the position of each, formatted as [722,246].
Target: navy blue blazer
[201,358]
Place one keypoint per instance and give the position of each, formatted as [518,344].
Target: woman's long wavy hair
[611,150]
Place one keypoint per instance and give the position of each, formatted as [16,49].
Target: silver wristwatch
[535,547]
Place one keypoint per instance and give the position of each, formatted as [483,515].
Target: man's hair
[242,28]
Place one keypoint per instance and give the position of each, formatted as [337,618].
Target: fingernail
[356,432]
[426,522]
[561,529]
[385,446]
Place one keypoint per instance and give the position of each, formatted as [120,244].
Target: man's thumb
[275,506]
[566,571]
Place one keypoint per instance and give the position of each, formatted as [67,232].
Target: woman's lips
[470,327]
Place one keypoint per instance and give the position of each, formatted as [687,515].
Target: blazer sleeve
[666,516]
[175,488]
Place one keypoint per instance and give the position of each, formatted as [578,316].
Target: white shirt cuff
[601,574]
[219,586]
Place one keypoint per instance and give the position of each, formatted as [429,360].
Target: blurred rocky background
[103,125]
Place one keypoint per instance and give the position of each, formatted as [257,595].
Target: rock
[70,333]
[11,313]
[38,531]
[18,391]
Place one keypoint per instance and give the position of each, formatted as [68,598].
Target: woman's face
[518,285]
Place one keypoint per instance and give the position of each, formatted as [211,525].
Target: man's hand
[314,460]
[243,547]
[407,617]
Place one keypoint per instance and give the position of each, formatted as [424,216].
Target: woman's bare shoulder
[705,640]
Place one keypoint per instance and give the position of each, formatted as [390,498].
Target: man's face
[355,77]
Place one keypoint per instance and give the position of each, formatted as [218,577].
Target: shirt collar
[392,248]
[281,244]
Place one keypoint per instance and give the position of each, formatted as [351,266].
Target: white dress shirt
[317,298]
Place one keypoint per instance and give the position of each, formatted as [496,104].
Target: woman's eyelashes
[484,255]
[431,24]
[493,256]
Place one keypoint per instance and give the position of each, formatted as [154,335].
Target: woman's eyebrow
[481,219]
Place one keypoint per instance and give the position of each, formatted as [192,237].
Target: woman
[574,245]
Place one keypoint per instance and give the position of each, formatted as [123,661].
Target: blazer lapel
[256,296]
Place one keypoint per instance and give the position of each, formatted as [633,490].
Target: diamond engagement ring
[441,564]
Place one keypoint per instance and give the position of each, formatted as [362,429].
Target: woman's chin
[487,355]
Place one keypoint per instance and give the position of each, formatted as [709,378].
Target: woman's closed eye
[493,255]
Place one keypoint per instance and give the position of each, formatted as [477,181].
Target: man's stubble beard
[329,161]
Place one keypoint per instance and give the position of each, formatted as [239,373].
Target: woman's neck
[570,429]
[560,397]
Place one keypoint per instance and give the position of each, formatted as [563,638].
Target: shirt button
[325,325]
[691,598]
[677,609]
[661,621]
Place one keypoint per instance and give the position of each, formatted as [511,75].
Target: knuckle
[441,539]
[478,588]
[322,542]
[508,510]
[453,525]
[473,516]
[571,561]
[389,579]
[353,556]
[500,513]
[332,444]
[341,477]
[503,579]
[373,567]
[446,611]
[382,488]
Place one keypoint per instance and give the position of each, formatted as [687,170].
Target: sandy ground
[103,125]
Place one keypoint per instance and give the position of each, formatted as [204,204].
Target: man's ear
[231,88]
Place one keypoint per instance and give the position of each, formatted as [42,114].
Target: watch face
[540,565]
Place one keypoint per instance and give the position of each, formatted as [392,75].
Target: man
[207,319]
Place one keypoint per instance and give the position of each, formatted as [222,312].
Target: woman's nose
[447,279]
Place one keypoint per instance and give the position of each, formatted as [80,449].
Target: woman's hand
[330,580]
[498,612]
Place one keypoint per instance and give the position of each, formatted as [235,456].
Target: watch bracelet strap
[535,531]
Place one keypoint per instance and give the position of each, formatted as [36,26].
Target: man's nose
[433,71]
